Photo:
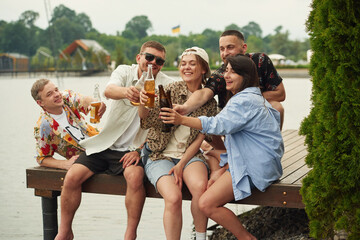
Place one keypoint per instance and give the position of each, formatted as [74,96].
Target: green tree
[233,26]
[211,40]
[62,11]
[84,20]
[68,30]
[254,44]
[12,39]
[331,189]
[138,25]
[29,17]
[251,29]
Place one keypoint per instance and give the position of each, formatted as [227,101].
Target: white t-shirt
[75,132]
[122,129]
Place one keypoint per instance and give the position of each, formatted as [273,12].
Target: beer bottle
[95,105]
[149,86]
[165,101]
[139,85]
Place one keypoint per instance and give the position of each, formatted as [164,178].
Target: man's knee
[76,175]
[134,176]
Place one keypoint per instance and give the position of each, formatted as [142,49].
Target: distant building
[13,62]
[277,59]
[80,49]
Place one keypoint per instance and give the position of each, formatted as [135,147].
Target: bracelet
[138,150]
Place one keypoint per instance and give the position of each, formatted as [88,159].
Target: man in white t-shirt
[60,126]
[112,150]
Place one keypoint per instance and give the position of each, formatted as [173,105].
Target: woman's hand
[177,170]
[102,109]
[170,116]
[215,175]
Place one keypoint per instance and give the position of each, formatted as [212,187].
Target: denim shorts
[154,170]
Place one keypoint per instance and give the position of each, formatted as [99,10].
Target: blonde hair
[37,87]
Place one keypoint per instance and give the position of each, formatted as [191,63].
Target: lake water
[99,216]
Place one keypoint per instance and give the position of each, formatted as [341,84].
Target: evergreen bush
[331,191]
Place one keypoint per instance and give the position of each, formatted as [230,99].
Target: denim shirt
[253,140]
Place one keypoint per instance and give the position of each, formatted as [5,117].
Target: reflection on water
[20,210]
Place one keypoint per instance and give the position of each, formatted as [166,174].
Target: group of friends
[220,149]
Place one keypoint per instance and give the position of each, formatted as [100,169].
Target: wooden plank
[45,180]
[292,168]
[289,134]
[276,195]
[288,154]
[294,139]
[48,182]
[296,157]
[301,172]
[295,144]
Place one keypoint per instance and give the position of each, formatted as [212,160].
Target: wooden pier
[48,182]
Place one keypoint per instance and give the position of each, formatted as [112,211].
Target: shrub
[331,191]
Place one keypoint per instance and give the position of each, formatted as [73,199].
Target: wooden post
[49,211]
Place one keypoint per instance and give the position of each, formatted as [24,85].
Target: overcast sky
[110,16]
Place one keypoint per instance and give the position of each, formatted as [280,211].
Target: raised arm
[142,110]
[116,92]
[170,116]
[196,100]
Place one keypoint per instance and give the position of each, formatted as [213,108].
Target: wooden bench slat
[295,176]
[300,156]
[288,134]
[48,182]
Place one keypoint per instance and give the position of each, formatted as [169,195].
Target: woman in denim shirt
[253,142]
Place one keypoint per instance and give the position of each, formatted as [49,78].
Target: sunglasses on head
[150,57]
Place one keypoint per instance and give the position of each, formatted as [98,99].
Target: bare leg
[195,177]
[173,203]
[212,201]
[134,199]
[71,198]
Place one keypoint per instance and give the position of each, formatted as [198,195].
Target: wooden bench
[48,182]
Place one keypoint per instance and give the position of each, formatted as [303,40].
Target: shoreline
[283,72]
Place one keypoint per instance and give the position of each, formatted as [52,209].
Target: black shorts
[106,161]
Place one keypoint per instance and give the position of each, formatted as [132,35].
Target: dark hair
[235,33]
[246,68]
[153,44]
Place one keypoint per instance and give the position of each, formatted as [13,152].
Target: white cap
[201,53]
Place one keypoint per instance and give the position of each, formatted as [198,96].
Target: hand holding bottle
[165,102]
[134,92]
[149,87]
[95,106]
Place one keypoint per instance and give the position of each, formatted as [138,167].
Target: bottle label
[92,112]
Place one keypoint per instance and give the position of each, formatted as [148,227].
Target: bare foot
[65,236]
[129,235]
